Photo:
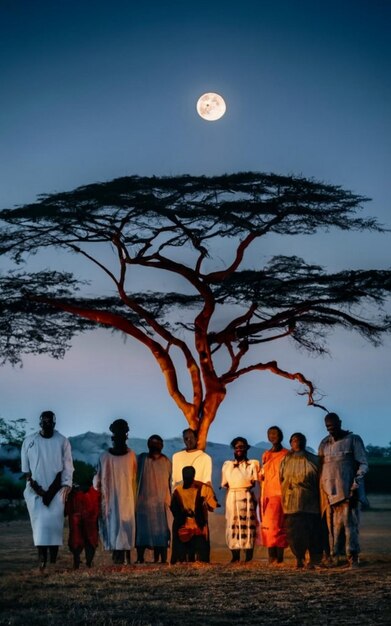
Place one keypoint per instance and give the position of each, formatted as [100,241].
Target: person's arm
[320,458]
[169,475]
[209,497]
[208,470]
[97,479]
[67,464]
[134,481]
[262,468]
[24,461]
[36,487]
[282,468]
[26,469]
[255,472]
[175,507]
[360,456]
[53,489]
[174,477]
[67,469]
[202,463]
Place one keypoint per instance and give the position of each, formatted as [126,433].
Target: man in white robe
[46,461]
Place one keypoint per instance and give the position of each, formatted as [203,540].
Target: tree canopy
[178,225]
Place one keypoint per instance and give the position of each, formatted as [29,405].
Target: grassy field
[197,594]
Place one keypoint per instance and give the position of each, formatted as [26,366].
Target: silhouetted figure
[153,501]
[116,480]
[190,504]
[46,460]
[239,477]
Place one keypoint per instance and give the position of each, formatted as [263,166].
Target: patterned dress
[240,505]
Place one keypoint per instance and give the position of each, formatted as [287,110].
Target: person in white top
[193,457]
[239,477]
[46,460]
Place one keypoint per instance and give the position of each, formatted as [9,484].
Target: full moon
[211,106]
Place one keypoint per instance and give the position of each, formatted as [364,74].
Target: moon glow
[211,107]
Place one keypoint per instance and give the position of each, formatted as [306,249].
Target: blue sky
[95,90]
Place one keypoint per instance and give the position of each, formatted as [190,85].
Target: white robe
[116,480]
[44,458]
[198,459]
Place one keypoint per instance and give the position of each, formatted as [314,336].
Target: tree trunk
[213,399]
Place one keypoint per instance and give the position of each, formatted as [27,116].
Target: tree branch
[272,366]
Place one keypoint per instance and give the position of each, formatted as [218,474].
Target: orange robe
[273,533]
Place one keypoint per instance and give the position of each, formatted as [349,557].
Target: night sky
[91,91]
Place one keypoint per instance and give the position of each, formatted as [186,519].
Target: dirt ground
[196,594]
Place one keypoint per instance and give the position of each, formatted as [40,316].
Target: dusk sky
[91,91]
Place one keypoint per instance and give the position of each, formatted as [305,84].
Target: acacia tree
[137,223]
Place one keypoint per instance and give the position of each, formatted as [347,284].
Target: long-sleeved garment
[272,517]
[343,467]
[116,480]
[153,501]
[47,459]
[198,459]
[299,478]
[240,505]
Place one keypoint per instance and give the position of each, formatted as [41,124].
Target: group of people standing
[137,501]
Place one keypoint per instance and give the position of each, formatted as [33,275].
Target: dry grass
[197,594]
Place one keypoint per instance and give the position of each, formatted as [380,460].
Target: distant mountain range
[89,446]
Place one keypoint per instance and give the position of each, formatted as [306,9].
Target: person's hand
[65,493]
[353,494]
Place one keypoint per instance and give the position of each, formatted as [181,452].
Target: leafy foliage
[10,488]
[183,226]
[379,452]
[12,432]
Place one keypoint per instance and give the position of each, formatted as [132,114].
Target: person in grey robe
[343,463]
[153,501]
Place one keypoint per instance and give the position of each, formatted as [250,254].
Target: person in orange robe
[273,533]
